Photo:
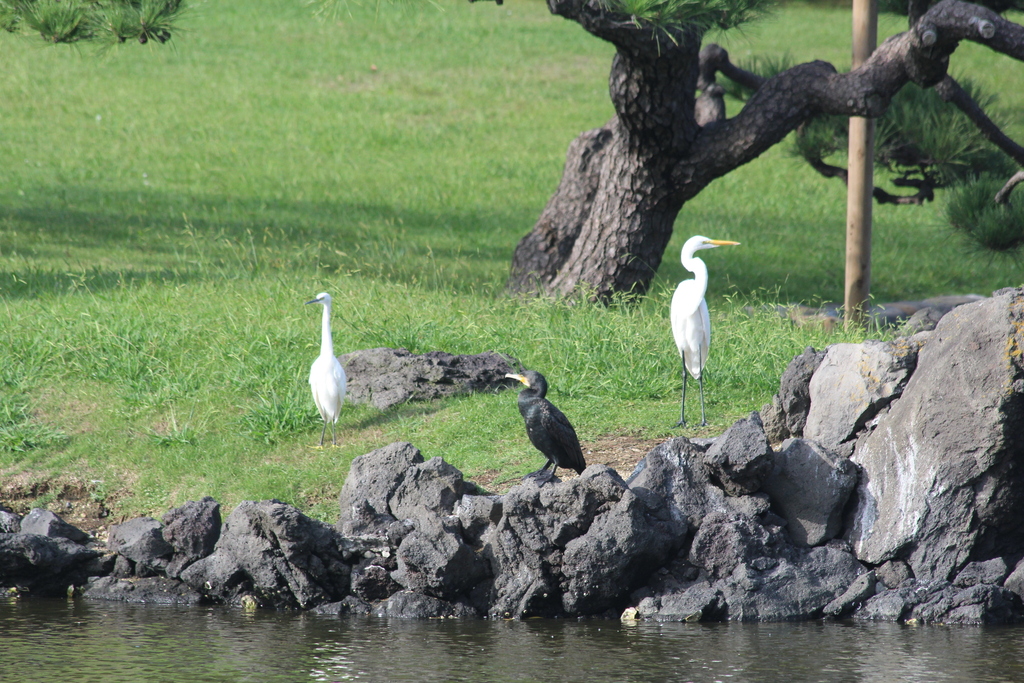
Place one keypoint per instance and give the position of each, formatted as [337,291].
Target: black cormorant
[548,428]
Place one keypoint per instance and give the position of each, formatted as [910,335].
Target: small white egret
[326,376]
[691,325]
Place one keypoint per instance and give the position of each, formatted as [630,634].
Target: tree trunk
[606,228]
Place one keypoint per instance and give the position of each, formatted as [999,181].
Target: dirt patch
[72,499]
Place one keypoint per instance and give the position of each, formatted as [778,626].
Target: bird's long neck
[700,272]
[326,343]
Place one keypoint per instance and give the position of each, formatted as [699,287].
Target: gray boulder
[799,585]
[991,572]
[410,605]
[373,582]
[271,551]
[725,541]
[741,457]
[428,490]
[808,487]
[387,377]
[617,553]
[747,571]
[372,480]
[893,573]
[543,550]
[476,514]
[699,601]
[859,592]
[141,541]
[942,473]
[853,383]
[10,522]
[192,531]
[673,477]
[786,415]
[350,604]
[1015,581]
[46,523]
[155,590]
[434,560]
[46,566]
[939,602]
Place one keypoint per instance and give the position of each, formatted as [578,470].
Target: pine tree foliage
[705,14]
[72,21]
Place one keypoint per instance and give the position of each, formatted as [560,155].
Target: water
[80,642]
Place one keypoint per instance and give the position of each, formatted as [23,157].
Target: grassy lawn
[165,211]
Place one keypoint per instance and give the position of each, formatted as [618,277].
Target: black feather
[548,428]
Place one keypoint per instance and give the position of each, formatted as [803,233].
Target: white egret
[691,325]
[326,376]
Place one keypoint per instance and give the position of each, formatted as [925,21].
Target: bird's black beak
[314,301]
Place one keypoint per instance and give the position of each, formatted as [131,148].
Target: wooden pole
[861,177]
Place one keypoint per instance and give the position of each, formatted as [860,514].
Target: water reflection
[54,640]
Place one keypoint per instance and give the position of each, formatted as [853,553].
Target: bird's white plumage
[691,324]
[326,376]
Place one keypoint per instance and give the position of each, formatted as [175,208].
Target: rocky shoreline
[894,492]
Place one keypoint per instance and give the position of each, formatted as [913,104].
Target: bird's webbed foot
[543,475]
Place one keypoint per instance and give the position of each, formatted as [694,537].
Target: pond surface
[80,642]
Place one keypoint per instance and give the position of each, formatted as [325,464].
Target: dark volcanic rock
[726,541]
[192,531]
[542,551]
[740,458]
[939,602]
[748,572]
[799,586]
[893,573]
[373,582]
[277,554]
[617,553]
[859,592]
[44,565]
[46,523]
[786,415]
[155,590]
[992,572]
[674,477]
[350,604]
[410,605]
[387,377]
[809,487]
[372,480]
[141,541]
[434,560]
[10,522]
[427,490]
[943,472]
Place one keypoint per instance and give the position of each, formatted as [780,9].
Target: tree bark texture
[606,228]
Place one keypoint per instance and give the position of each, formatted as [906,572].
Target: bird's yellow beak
[519,378]
[723,243]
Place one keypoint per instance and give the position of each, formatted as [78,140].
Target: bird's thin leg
[322,433]
[700,383]
[334,433]
[682,403]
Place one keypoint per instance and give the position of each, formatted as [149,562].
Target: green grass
[165,211]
